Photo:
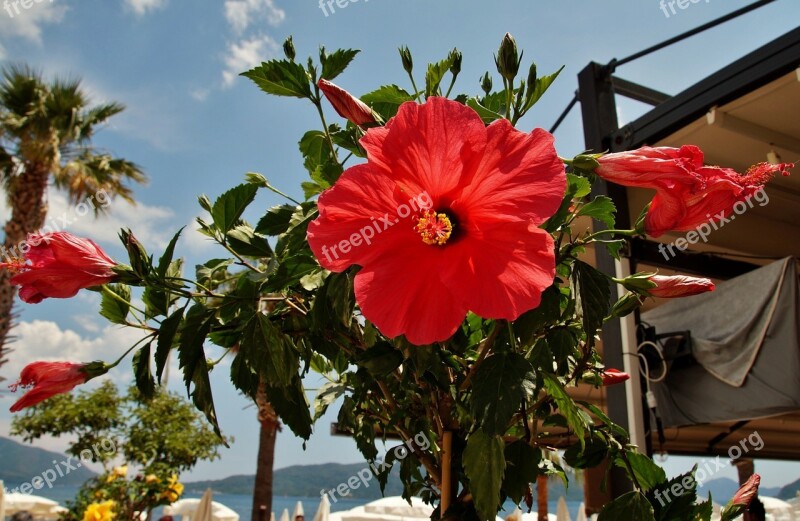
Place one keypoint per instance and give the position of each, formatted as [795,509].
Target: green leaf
[601,208]
[522,469]
[229,207]
[291,271]
[292,406]
[327,396]
[497,391]
[314,147]
[484,464]
[542,84]
[590,455]
[632,506]
[381,359]
[530,324]
[281,78]
[334,64]
[166,338]
[244,240]
[676,498]
[488,116]
[166,259]
[386,100]
[578,420]
[595,294]
[141,369]
[703,511]
[277,220]
[115,307]
[577,188]
[435,75]
[647,473]
[268,351]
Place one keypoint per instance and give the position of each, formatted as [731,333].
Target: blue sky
[196,127]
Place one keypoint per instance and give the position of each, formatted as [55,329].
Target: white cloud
[27,23]
[199,94]
[246,54]
[142,7]
[241,14]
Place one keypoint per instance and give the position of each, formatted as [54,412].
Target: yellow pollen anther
[435,228]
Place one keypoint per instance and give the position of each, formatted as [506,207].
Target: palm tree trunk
[27,198]
[541,496]
[262,491]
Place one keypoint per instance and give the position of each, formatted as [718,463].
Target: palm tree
[270,426]
[45,132]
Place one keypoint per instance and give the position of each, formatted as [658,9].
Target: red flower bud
[679,286]
[747,492]
[48,379]
[58,265]
[614,377]
[347,105]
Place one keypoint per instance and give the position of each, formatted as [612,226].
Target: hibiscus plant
[436,275]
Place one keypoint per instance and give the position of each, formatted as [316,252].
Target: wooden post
[447,474]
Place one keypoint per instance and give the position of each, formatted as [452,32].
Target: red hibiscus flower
[347,105]
[744,496]
[443,219]
[688,193]
[58,266]
[614,377]
[678,286]
[51,378]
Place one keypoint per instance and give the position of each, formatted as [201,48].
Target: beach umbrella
[581,513]
[188,508]
[204,507]
[298,511]
[562,512]
[38,507]
[285,515]
[516,515]
[324,509]
[272,516]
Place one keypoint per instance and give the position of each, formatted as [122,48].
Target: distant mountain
[21,463]
[723,489]
[790,491]
[310,480]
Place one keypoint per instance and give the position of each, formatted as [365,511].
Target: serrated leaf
[141,370]
[166,259]
[166,338]
[488,116]
[602,208]
[632,506]
[229,207]
[522,469]
[578,420]
[327,396]
[647,473]
[290,403]
[435,74]
[314,147]
[595,294]
[335,63]
[268,351]
[281,78]
[277,220]
[497,391]
[542,84]
[244,240]
[386,100]
[484,464]
[115,307]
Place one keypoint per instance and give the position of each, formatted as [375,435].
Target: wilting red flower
[678,286]
[443,219]
[59,265]
[347,105]
[744,496]
[51,378]
[614,377]
[688,192]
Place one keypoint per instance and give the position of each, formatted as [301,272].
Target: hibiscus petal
[430,147]
[520,177]
[403,293]
[502,271]
[359,218]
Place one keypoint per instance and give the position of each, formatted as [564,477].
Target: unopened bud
[408,61]
[486,83]
[508,58]
[288,49]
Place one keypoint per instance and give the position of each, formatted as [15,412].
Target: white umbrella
[397,506]
[272,516]
[324,509]
[204,507]
[298,510]
[38,507]
[516,515]
[188,508]
[562,512]
[581,513]
[285,515]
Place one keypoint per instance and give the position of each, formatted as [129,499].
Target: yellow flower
[117,472]
[174,489]
[151,478]
[100,511]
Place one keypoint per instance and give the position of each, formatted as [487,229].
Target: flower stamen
[434,228]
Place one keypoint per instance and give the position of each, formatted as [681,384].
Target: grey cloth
[729,324]
[768,349]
